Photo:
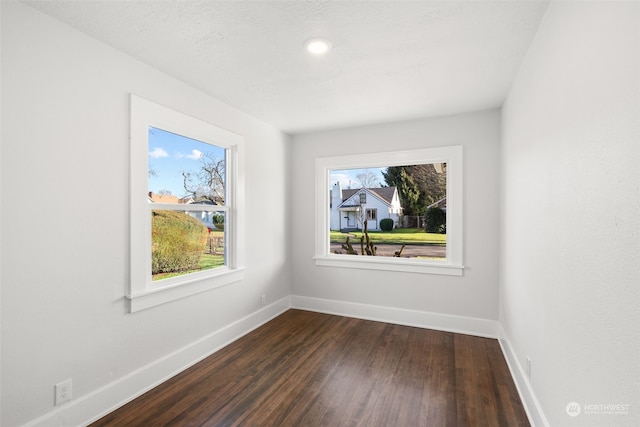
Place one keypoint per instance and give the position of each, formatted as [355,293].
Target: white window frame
[451,155]
[143,292]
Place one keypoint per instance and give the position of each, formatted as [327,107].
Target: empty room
[319,213]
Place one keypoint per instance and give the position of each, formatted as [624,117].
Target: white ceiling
[392,60]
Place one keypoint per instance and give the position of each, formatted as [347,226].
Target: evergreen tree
[418,185]
[408,191]
[432,184]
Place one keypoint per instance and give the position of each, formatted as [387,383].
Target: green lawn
[397,236]
[208,261]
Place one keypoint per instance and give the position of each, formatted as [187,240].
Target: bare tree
[208,182]
[367,179]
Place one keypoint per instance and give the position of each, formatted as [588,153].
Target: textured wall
[474,294]
[570,265]
[417,58]
[65,192]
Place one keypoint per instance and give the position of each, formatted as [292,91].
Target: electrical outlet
[63,392]
[263,300]
[528,367]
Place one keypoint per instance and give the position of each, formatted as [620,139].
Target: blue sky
[348,177]
[170,155]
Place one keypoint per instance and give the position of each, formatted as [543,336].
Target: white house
[206,216]
[349,208]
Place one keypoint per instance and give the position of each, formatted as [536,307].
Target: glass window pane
[402,209]
[184,242]
[184,170]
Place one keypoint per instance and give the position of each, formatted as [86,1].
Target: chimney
[336,199]
[336,194]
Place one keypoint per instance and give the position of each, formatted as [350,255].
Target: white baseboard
[527,396]
[421,319]
[91,407]
[441,322]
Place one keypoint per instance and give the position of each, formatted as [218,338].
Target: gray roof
[385,193]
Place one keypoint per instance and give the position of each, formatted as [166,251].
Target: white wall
[1,221]
[570,204]
[65,163]
[475,295]
[570,232]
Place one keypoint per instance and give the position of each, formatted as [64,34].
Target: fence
[412,221]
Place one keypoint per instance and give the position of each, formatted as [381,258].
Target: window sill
[389,264]
[152,297]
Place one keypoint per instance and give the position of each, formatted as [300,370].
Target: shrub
[178,241]
[218,221]
[386,224]
[218,218]
[436,221]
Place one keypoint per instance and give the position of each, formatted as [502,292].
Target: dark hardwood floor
[311,369]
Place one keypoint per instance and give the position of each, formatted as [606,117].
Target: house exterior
[206,216]
[442,204]
[162,198]
[349,208]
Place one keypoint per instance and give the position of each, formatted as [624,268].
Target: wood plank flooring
[311,369]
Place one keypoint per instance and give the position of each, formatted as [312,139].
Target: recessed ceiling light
[317,46]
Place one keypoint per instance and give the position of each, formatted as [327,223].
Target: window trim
[143,293]
[452,155]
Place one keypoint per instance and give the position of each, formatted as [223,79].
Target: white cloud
[195,155]
[158,152]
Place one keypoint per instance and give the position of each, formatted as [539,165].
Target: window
[363,198]
[185,206]
[335,208]
[372,214]
[189,202]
